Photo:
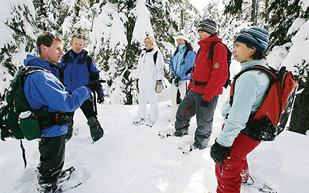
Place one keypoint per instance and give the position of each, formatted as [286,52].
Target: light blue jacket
[250,89]
[44,89]
[181,65]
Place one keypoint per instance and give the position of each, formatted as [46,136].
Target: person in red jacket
[207,81]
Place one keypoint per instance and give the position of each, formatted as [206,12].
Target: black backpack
[229,59]
[67,58]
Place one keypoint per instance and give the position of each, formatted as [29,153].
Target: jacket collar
[251,63]
[208,41]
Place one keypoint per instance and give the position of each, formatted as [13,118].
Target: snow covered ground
[134,159]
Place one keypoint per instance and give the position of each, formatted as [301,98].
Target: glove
[218,152]
[100,98]
[204,103]
[176,81]
[172,74]
[94,86]
[159,86]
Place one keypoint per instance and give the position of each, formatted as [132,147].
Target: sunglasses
[78,36]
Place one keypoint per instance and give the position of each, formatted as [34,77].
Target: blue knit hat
[208,26]
[255,37]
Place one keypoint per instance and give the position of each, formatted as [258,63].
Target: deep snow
[133,159]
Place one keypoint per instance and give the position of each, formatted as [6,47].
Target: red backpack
[271,117]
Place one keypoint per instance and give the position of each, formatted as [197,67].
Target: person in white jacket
[149,74]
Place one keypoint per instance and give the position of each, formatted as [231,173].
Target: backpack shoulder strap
[211,49]
[66,59]
[155,56]
[269,72]
[89,60]
[186,53]
[175,51]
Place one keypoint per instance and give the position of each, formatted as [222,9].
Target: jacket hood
[35,61]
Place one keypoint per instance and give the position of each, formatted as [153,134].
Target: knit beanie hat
[255,37]
[208,26]
[182,36]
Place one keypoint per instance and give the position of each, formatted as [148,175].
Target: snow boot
[96,130]
[138,121]
[197,145]
[49,188]
[181,132]
[150,123]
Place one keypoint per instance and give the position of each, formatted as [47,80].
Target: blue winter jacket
[75,74]
[44,89]
[181,65]
[249,92]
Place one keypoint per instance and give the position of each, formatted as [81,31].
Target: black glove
[204,103]
[176,81]
[100,98]
[172,74]
[94,86]
[218,152]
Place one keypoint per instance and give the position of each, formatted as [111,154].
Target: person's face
[148,44]
[243,53]
[77,45]
[180,41]
[53,53]
[203,35]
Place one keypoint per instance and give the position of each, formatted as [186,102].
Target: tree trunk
[254,12]
[300,115]
[266,14]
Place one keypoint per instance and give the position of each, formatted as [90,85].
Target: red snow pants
[231,173]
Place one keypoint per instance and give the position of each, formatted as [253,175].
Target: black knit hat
[208,26]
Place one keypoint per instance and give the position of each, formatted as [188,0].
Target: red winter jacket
[215,72]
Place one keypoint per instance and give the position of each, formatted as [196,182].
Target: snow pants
[182,88]
[147,94]
[233,170]
[52,153]
[190,106]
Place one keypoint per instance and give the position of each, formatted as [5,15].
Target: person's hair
[258,55]
[188,45]
[46,39]
[78,35]
[151,39]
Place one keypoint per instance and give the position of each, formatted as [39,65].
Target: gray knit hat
[255,37]
[208,26]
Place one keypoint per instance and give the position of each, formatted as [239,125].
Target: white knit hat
[182,36]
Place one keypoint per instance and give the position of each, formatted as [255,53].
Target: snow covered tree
[17,38]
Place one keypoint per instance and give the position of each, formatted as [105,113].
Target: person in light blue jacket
[181,68]
[234,143]
[43,89]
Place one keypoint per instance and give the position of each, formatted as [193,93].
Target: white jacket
[147,70]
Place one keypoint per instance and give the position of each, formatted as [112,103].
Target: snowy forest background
[115,30]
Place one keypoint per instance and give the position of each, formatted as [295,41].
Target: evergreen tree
[284,13]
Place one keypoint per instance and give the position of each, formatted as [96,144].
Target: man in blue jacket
[78,69]
[43,89]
